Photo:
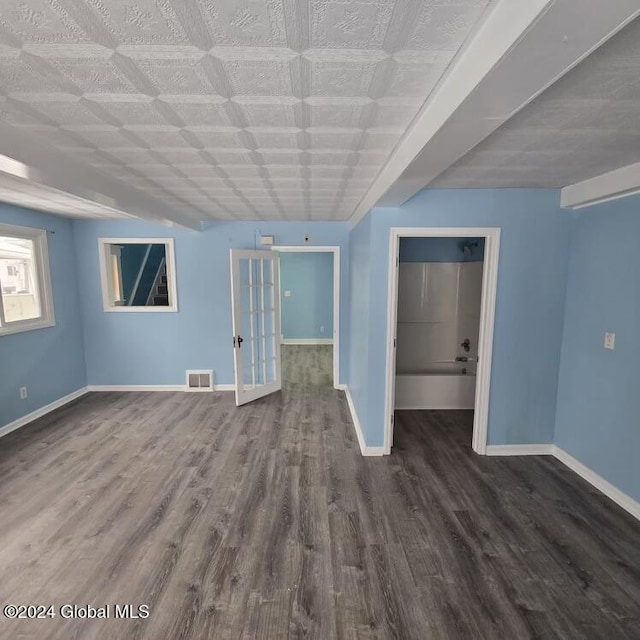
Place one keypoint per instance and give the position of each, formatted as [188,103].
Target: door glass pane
[257,322]
[244,271]
[268,272]
[18,279]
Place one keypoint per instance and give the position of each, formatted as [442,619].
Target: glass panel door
[256,323]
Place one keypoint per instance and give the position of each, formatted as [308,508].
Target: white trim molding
[336,301]
[136,387]
[41,271]
[224,387]
[306,341]
[364,449]
[42,411]
[491,237]
[612,492]
[612,185]
[520,450]
[153,387]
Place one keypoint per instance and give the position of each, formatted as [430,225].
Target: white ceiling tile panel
[218,137]
[349,25]
[294,105]
[230,156]
[41,21]
[280,156]
[204,111]
[178,76]
[582,126]
[159,137]
[130,112]
[93,74]
[140,22]
[252,23]
[443,26]
[342,73]
[276,172]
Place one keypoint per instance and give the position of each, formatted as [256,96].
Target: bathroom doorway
[442,288]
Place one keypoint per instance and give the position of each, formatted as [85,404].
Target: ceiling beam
[612,185]
[519,49]
[32,160]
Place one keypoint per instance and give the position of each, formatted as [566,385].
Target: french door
[255,305]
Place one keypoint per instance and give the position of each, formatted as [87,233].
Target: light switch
[609,340]
[287,294]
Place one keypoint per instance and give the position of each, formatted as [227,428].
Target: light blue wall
[440,250]
[359,317]
[49,362]
[309,308]
[597,419]
[156,348]
[529,311]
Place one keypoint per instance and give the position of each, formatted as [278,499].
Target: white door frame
[336,297]
[487,317]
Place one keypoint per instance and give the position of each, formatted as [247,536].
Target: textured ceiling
[586,124]
[267,109]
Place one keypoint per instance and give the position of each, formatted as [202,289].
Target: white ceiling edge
[48,167]
[612,185]
[556,36]
[17,189]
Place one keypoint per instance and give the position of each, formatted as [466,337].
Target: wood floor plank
[264,521]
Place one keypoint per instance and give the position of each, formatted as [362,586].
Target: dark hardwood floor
[264,521]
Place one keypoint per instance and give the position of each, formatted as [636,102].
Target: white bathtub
[439,386]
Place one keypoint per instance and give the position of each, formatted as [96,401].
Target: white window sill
[27,325]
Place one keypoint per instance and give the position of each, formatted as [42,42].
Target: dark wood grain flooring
[264,521]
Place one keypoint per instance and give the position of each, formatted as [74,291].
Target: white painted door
[255,305]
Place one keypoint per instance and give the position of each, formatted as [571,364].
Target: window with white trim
[25,285]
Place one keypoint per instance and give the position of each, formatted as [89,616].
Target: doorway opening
[309,314]
[442,290]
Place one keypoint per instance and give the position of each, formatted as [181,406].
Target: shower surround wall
[438,309]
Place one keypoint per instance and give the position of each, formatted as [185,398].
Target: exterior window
[25,285]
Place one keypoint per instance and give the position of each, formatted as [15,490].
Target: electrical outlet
[609,340]
[287,294]
[23,393]
[322,329]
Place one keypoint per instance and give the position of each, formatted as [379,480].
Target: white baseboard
[153,387]
[137,387]
[619,497]
[520,450]
[306,341]
[42,411]
[364,449]
[623,500]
